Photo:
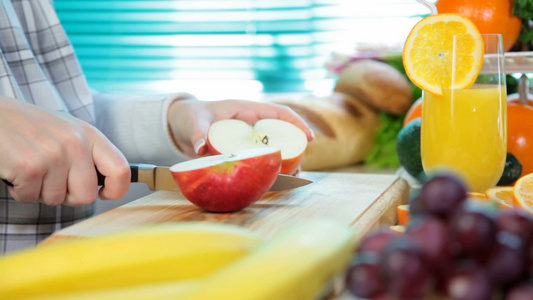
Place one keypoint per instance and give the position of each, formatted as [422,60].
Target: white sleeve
[138,127]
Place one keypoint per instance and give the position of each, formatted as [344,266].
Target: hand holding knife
[160,178]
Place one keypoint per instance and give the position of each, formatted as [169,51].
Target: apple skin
[211,148]
[233,183]
[289,166]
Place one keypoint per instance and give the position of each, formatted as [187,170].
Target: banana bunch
[295,264]
[151,255]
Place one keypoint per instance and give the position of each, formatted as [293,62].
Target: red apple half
[228,182]
[230,135]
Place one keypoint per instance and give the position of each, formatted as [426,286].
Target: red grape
[464,250]
[431,234]
[376,240]
[467,282]
[529,257]
[405,269]
[522,291]
[384,296]
[506,260]
[516,221]
[442,194]
[363,276]
[474,231]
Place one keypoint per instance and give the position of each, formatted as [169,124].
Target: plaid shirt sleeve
[38,65]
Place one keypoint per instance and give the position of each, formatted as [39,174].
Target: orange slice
[523,192]
[403,214]
[429,50]
[503,195]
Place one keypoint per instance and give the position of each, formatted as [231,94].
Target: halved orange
[403,214]
[503,195]
[523,192]
[429,52]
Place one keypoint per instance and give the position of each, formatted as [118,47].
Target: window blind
[236,47]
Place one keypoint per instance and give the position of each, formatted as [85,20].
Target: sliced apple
[228,182]
[227,136]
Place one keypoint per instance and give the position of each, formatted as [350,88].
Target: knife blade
[160,178]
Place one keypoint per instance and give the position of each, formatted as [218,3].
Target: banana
[155,254]
[296,264]
[160,291]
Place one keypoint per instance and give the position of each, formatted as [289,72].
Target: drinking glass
[464,131]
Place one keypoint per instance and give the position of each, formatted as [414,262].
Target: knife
[160,178]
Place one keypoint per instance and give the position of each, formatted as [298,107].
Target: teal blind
[237,45]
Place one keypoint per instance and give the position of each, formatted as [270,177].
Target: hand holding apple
[228,182]
[227,136]
[189,120]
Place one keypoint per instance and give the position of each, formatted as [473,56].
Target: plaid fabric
[38,65]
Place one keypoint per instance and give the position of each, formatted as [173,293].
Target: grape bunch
[453,248]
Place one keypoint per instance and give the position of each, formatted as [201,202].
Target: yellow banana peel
[296,264]
[160,291]
[155,254]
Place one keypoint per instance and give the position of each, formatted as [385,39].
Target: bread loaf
[376,83]
[344,130]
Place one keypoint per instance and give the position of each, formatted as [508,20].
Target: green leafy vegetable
[384,153]
[524,10]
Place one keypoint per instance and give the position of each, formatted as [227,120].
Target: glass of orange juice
[464,130]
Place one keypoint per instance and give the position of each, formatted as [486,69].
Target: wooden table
[363,201]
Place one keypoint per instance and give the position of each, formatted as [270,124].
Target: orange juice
[465,131]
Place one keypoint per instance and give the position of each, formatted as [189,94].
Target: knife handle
[101,178]
[134,174]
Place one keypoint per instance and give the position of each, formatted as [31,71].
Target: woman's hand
[189,120]
[51,157]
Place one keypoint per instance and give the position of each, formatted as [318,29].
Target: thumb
[113,165]
[200,147]
[199,137]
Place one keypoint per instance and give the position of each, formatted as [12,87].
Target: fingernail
[199,145]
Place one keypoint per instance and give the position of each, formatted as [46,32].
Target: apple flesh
[227,136]
[228,182]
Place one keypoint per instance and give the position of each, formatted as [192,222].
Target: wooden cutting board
[363,201]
